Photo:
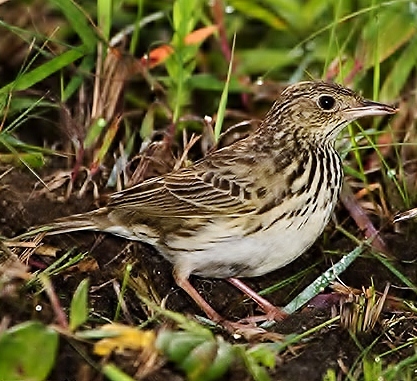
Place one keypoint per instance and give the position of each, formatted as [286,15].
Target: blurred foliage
[28,352]
[358,43]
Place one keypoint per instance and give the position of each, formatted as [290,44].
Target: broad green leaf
[399,73]
[28,352]
[263,355]
[177,345]
[147,126]
[261,60]
[208,361]
[372,370]
[201,357]
[313,9]
[386,33]
[184,18]
[79,305]
[257,370]
[256,11]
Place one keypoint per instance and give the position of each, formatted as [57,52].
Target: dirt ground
[22,206]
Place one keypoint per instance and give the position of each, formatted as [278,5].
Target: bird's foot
[274,314]
[249,331]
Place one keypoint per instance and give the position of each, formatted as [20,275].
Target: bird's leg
[185,284]
[272,312]
[248,331]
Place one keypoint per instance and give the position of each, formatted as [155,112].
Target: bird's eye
[326,102]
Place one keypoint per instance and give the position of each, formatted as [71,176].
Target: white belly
[221,250]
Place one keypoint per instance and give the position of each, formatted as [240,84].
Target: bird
[248,208]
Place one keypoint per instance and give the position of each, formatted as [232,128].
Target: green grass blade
[223,100]
[396,272]
[323,281]
[79,22]
[29,79]
[105,16]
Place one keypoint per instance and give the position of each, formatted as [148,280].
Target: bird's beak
[369,108]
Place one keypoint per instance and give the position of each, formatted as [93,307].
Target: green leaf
[184,18]
[313,9]
[263,355]
[31,159]
[207,81]
[224,357]
[372,370]
[177,345]
[350,171]
[79,22]
[251,9]
[8,140]
[289,9]
[79,305]
[261,60]
[113,373]
[208,361]
[384,35]
[105,16]
[201,357]
[28,352]
[399,73]
[257,371]
[403,278]
[94,132]
[19,104]
[148,123]
[36,75]
[86,66]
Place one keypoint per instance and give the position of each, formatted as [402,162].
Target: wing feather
[186,193]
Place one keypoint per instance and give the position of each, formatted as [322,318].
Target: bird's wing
[210,187]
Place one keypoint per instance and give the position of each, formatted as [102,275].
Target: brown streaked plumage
[248,208]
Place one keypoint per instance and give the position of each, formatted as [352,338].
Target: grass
[168,69]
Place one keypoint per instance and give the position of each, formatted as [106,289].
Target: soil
[22,206]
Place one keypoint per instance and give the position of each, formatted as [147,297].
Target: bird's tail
[76,222]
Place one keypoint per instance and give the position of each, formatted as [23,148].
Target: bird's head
[321,109]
